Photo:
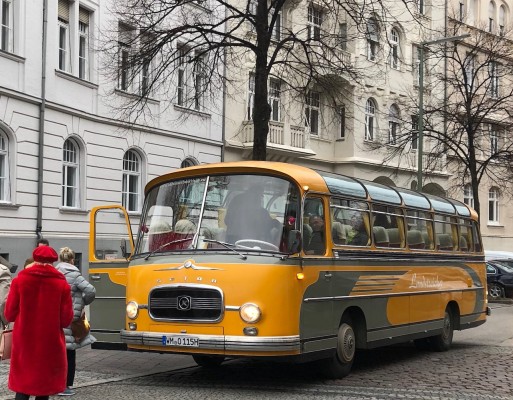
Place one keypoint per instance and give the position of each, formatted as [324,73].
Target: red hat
[44,254]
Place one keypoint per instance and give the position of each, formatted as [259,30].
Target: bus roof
[325,182]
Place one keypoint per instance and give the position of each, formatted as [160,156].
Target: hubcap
[495,291]
[346,345]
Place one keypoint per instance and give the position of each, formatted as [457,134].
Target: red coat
[39,303]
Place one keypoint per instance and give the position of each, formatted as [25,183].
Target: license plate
[180,341]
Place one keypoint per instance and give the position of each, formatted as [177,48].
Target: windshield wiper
[229,246]
[167,244]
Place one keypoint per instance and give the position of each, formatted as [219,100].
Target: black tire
[208,361]
[495,291]
[443,341]
[340,364]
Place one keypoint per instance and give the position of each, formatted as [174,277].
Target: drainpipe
[42,107]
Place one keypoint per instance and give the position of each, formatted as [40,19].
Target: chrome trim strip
[232,308]
[217,342]
[367,296]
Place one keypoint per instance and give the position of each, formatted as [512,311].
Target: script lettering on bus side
[423,282]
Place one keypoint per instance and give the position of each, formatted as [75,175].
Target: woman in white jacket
[82,293]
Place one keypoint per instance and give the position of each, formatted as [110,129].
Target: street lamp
[420,124]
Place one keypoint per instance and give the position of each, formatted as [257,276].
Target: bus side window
[314,227]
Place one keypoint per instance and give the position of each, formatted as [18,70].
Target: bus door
[317,309]
[110,247]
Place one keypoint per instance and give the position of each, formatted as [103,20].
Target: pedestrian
[39,302]
[5,284]
[40,242]
[82,294]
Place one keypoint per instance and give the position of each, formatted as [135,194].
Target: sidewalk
[103,366]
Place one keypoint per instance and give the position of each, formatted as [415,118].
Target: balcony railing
[430,161]
[279,134]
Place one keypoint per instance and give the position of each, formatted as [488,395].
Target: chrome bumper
[211,342]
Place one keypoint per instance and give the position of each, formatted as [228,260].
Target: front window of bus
[248,212]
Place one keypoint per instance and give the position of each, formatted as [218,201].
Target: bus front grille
[186,303]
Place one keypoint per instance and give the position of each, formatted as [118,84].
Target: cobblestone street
[479,366]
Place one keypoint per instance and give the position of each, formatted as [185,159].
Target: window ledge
[9,206]
[124,93]
[494,224]
[69,210]
[191,111]
[340,140]
[12,56]
[75,79]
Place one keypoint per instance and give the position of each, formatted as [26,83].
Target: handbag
[6,344]
[80,328]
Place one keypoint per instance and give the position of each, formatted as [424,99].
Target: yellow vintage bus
[263,259]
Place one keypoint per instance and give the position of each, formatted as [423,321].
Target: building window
[494,69]
[491,16]
[312,111]
[494,140]
[468,195]
[314,23]
[5,194]
[275,99]
[421,6]
[394,49]
[251,97]
[393,124]
[83,44]
[190,80]
[125,70]
[199,82]
[6,31]
[131,191]
[189,162]
[64,33]
[416,65]
[414,132]
[342,121]
[372,39]
[502,20]
[276,33]
[469,70]
[493,205]
[462,11]
[70,174]
[370,114]
[342,29]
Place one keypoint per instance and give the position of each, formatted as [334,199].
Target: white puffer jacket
[82,293]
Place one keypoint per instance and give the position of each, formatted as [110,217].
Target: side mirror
[294,242]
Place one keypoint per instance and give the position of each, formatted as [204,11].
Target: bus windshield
[252,212]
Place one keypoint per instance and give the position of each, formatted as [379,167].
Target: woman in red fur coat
[39,303]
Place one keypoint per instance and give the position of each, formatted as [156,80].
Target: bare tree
[158,41]
[467,121]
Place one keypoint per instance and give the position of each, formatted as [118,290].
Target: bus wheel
[443,341]
[339,365]
[207,361]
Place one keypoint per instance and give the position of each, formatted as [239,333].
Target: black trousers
[21,396]
[71,355]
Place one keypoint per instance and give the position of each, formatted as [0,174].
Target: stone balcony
[284,141]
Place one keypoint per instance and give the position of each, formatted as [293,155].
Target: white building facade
[63,147]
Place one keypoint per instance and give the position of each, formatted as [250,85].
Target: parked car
[495,255]
[499,276]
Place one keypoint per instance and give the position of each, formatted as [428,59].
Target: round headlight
[132,309]
[250,313]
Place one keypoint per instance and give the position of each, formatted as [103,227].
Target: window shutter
[83,16]
[64,10]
